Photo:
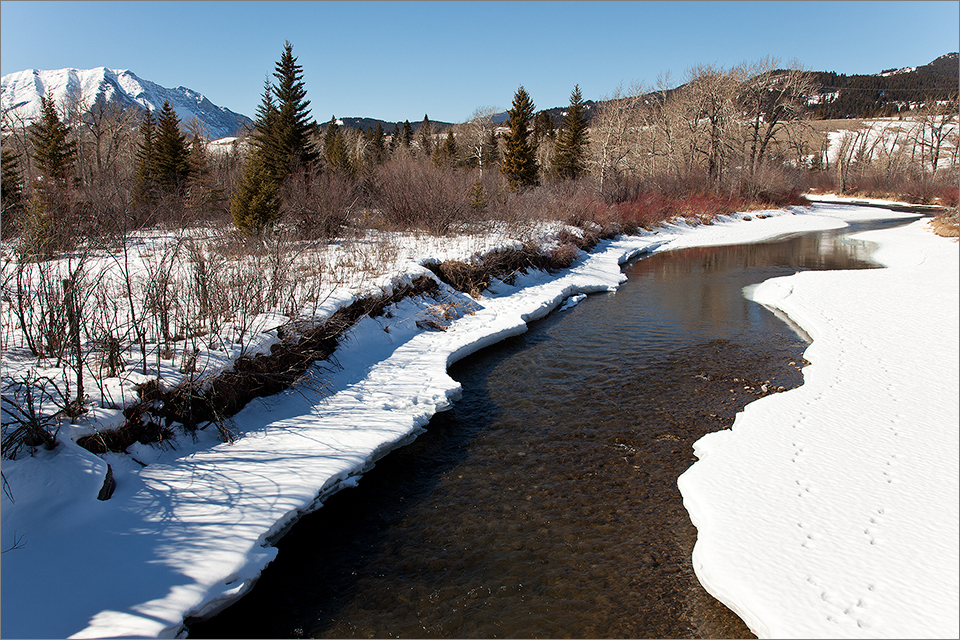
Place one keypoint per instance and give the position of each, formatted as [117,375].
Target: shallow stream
[544,503]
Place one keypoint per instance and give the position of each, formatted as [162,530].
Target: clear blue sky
[400,60]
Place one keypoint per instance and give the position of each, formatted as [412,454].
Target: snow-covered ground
[188,527]
[832,510]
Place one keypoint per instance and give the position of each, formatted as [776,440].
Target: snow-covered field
[188,527]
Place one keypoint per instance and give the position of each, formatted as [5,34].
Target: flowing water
[544,503]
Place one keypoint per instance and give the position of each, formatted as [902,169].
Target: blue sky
[400,60]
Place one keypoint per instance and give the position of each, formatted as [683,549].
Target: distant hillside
[885,93]
[370,124]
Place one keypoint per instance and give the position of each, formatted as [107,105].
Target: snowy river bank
[190,532]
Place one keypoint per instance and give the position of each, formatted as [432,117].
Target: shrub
[318,205]
[413,193]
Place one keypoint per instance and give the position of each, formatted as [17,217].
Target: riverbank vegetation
[143,262]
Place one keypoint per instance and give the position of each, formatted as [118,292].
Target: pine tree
[491,150]
[425,137]
[406,137]
[265,142]
[293,127]
[283,127]
[394,138]
[145,188]
[11,188]
[171,157]
[281,142]
[571,150]
[256,204]
[53,149]
[335,148]
[520,158]
[478,201]
[379,145]
[446,154]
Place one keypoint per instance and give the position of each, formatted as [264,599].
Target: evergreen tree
[202,189]
[255,205]
[478,201]
[281,138]
[264,141]
[406,136]
[171,153]
[571,150]
[394,138]
[335,148]
[446,154]
[11,188]
[290,132]
[425,137]
[283,126]
[145,188]
[520,157]
[379,145]
[491,150]
[53,149]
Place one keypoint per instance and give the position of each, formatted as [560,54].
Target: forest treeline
[91,292]
[741,135]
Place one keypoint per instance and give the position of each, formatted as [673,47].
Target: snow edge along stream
[189,533]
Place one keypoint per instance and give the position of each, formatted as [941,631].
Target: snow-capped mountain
[21,94]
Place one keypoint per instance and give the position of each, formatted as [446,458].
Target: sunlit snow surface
[862,458]
[831,510]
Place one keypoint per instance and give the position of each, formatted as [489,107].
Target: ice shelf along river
[517,474]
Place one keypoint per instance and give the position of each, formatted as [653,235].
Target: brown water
[544,504]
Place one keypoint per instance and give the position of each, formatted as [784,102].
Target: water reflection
[544,504]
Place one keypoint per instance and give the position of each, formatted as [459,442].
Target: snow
[20,94]
[881,139]
[832,510]
[189,527]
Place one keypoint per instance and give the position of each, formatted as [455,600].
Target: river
[544,503]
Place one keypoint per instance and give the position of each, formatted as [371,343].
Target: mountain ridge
[21,93]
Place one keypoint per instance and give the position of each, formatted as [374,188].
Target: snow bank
[189,526]
[832,510]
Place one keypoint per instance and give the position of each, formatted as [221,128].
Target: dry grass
[946,224]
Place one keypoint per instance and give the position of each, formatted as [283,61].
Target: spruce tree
[171,157]
[406,136]
[53,149]
[293,127]
[425,137]
[394,138]
[281,143]
[446,154]
[145,187]
[520,157]
[265,142]
[491,150]
[571,150]
[255,205]
[283,127]
[335,148]
[379,145]
[11,188]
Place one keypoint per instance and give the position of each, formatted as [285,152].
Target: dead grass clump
[946,224]
[502,264]
[469,278]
